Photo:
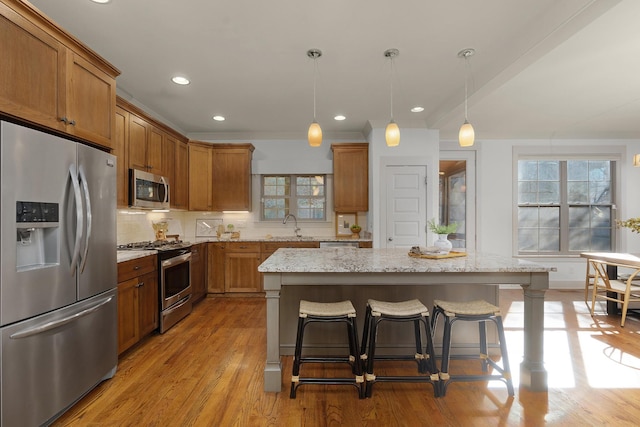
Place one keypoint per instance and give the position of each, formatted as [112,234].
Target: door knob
[390,239]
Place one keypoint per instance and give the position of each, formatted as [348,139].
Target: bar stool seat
[404,311]
[342,311]
[477,311]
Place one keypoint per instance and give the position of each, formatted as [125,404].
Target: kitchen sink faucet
[296,229]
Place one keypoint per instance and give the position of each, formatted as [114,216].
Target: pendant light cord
[391,87]
[315,70]
[466,82]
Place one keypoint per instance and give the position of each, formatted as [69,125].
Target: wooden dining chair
[588,284]
[618,291]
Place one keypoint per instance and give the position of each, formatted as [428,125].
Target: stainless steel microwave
[148,191]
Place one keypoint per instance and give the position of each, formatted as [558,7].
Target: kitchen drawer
[274,246]
[242,247]
[136,267]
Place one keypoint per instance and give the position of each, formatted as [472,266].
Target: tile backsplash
[136,225]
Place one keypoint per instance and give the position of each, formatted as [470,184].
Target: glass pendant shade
[467,135]
[636,160]
[392,134]
[315,135]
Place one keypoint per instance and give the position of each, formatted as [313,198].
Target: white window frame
[577,152]
[293,197]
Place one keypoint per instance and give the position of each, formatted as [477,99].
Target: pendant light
[392,132]
[315,133]
[467,135]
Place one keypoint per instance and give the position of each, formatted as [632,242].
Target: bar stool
[405,311]
[311,312]
[474,311]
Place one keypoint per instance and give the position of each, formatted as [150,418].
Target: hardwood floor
[208,371]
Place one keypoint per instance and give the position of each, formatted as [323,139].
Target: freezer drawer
[50,361]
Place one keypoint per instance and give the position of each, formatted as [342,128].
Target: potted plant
[355,229]
[443,231]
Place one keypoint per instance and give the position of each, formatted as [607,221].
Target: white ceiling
[542,69]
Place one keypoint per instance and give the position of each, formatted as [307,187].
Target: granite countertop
[129,255]
[279,239]
[351,260]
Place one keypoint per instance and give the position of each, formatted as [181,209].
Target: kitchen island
[344,273]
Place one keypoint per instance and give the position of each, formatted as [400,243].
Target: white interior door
[406,209]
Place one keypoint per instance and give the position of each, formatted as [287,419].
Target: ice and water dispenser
[38,234]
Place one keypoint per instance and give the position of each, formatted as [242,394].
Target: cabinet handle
[72,122]
[64,120]
[137,267]
[139,285]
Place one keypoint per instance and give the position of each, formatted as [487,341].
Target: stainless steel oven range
[174,278]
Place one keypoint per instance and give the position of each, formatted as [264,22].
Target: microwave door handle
[166,189]
[79,218]
[87,200]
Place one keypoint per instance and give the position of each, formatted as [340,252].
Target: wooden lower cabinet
[233,267]
[241,272]
[137,300]
[199,271]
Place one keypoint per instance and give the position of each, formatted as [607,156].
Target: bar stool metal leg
[476,311]
[407,311]
[315,312]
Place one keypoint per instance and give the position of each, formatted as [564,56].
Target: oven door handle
[176,260]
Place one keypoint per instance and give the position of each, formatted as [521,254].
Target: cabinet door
[148,302]
[91,101]
[215,268]
[120,148]
[168,161]
[138,129]
[231,179]
[350,177]
[31,83]
[200,178]
[128,321]
[199,271]
[180,188]
[241,272]
[154,151]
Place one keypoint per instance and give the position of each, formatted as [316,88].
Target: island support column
[273,367]
[532,372]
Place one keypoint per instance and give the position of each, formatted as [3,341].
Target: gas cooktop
[159,245]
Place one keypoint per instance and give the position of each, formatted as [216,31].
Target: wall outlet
[241,223]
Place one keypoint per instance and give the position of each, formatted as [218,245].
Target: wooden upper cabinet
[155,149]
[51,80]
[32,71]
[232,177]
[120,150]
[91,102]
[200,177]
[138,130]
[180,187]
[350,177]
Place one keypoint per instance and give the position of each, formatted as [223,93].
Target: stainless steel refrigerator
[58,300]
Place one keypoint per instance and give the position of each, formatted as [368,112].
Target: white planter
[443,244]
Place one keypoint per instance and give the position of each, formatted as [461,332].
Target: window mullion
[564,208]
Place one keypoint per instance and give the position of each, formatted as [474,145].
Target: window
[565,206]
[301,195]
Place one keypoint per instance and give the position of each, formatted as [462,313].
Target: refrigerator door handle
[79,218]
[87,200]
[35,330]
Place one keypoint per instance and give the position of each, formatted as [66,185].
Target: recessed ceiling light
[180,80]
[219,118]
[417,109]
[101,1]
[339,117]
